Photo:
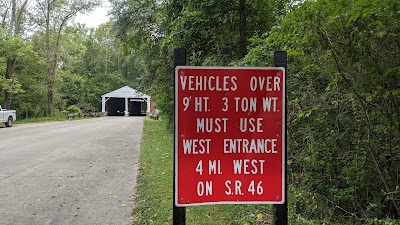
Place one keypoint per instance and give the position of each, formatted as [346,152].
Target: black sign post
[281,211]
[179,213]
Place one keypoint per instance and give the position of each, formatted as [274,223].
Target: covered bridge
[125,101]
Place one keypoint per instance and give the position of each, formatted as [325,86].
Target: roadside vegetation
[154,192]
[58,117]
[343,81]
[154,189]
[42,119]
[49,63]
[343,88]
[72,113]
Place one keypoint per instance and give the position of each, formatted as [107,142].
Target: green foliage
[11,85]
[210,29]
[57,117]
[154,189]
[10,46]
[73,109]
[344,136]
[343,87]
[343,84]
[207,29]
[92,63]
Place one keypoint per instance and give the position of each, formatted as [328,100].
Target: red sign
[229,135]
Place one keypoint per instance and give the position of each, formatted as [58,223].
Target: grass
[154,191]
[45,119]
[154,194]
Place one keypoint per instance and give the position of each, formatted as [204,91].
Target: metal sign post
[179,213]
[281,211]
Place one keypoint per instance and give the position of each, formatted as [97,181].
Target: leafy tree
[213,32]
[29,72]
[54,17]
[216,32]
[13,17]
[343,87]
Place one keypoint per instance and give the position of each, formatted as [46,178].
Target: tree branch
[325,37]
[19,16]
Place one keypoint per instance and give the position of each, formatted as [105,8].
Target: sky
[96,17]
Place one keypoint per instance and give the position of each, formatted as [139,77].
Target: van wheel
[9,122]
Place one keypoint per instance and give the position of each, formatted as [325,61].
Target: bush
[73,110]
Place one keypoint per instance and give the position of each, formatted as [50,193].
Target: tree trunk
[49,79]
[10,60]
[13,29]
[13,11]
[50,89]
[242,27]
[52,55]
[9,71]
[18,18]
[49,99]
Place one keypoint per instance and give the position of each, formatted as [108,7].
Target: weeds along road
[72,172]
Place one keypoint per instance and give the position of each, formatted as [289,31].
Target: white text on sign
[247,146]
[214,167]
[235,188]
[196,146]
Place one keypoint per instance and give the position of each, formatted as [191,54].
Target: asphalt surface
[72,172]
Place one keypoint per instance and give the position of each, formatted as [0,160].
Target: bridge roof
[125,92]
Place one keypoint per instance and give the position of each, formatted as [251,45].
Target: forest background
[343,78]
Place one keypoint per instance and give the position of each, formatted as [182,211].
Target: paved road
[73,172]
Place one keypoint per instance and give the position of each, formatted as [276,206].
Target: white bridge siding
[129,95]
